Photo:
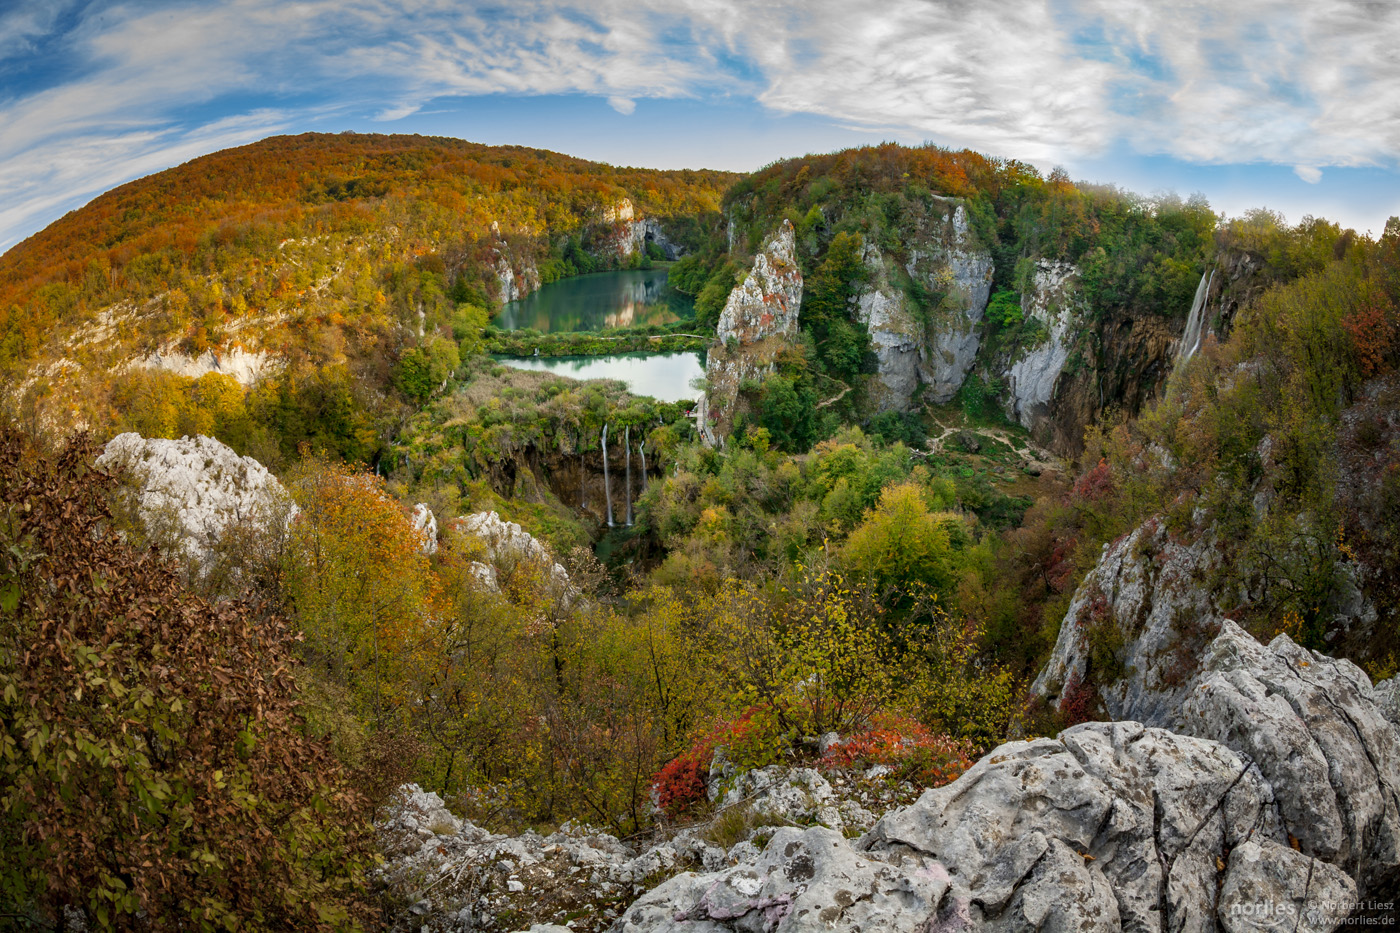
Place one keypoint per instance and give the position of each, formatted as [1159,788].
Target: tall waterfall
[642,449]
[607,487]
[582,477]
[1195,322]
[627,442]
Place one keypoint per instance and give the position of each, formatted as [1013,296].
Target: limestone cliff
[758,322]
[1052,301]
[948,259]
[932,347]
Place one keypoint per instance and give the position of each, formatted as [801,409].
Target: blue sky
[1288,105]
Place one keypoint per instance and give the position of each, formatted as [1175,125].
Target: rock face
[245,366]
[1052,300]
[758,321]
[515,277]
[1147,595]
[951,261]
[936,349]
[189,492]
[895,335]
[766,303]
[1111,826]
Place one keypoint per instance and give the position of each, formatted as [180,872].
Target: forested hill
[314,248]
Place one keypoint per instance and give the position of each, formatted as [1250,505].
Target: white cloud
[1309,173]
[1311,85]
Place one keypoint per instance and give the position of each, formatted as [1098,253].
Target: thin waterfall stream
[607,486]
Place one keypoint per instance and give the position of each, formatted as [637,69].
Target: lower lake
[663,376]
[626,298]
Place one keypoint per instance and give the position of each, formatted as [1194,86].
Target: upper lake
[627,298]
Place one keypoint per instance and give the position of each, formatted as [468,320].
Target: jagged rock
[189,492]
[1270,888]
[1146,591]
[1053,300]
[425,523]
[766,303]
[507,545]
[758,321]
[1315,727]
[1111,826]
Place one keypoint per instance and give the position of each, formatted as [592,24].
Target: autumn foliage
[154,769]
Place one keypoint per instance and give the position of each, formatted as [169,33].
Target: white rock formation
[1053,300]
[1112,826]
[508,545]
[514,278]
[758,321]
[425,523]
[245,366]
[190,491]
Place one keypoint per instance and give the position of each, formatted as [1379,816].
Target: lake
[627,298]
[663,376]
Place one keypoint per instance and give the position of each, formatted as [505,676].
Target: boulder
[189,493]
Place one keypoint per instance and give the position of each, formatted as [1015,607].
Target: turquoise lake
[628,298]
[604,300]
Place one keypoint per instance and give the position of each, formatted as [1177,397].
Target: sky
[1293,106]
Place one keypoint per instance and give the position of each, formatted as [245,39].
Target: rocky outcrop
[1145,604]
[930,347]
[1053,301]
[758,322]
[425,524]
[948,260]
[508,546]
[189,493]
[516,277]
[244,366]
[1112,826]
[766,302]
[1249,787]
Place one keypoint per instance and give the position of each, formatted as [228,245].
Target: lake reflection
[627,298]
[664,376]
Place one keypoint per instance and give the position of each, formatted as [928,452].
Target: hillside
[317,261]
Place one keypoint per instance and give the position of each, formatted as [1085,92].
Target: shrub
[153,761]
[916,754]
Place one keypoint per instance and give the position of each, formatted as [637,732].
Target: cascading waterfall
[582,477]
[1195,322]
[627,442]
[607,487]
[642,449]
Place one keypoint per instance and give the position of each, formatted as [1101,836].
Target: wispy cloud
[93,93]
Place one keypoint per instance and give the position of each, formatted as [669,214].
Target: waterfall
[642,449]
[627,442]
[1195,322]
[607,488]
[582,477]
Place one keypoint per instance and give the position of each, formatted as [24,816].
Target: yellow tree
[360,584]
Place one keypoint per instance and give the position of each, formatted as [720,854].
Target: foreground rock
[189,493]
[451,874]
[509,548]
[1112,826]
